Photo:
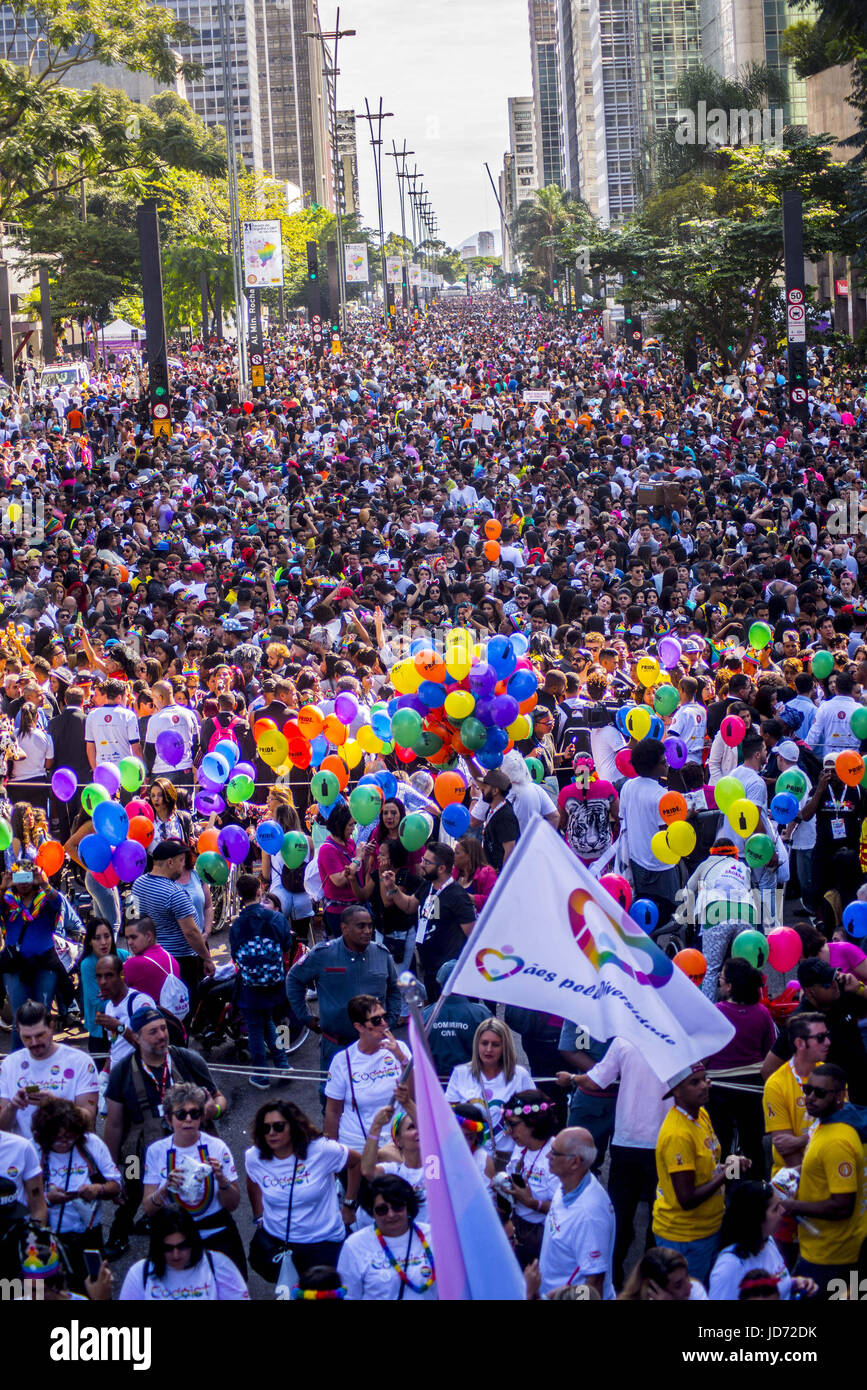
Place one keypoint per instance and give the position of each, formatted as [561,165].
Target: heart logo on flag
[662,967]
[500,959]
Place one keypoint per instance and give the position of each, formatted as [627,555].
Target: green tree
[546,227]
[758,87]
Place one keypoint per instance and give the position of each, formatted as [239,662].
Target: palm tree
[541,223]
[757,88]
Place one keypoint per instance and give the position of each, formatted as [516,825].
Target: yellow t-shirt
[833,1162]
[685,1145]
[785,1108]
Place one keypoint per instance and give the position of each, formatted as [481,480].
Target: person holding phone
[79,1174]
[30,914]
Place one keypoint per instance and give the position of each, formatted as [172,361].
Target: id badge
[161,1111]
[838,828]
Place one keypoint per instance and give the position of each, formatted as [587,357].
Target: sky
[445,68]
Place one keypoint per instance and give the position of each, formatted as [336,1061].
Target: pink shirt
[147,972]
[844,956]
[334,859]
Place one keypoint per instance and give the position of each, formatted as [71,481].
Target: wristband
[218,1110]
[351,1202]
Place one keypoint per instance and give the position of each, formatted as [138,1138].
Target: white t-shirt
[639,812]
[463,1088]
[729,1270]
[164,1156]
[689,723]
[315,1206]
[578,1239]
[214,1278]
[533,1165]
[134,999]
[39,748]
[174,719]
[368,1274]
[69,1172]
[374,1077]
[112,729]
[67,1073]
[19,1162]
[640,1109]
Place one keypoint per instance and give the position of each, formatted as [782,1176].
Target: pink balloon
[618,888]
[623,762]
[784,949]
[733,730]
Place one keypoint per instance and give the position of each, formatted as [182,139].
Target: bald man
[578,1244]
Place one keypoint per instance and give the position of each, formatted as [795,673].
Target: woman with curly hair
[79,1174]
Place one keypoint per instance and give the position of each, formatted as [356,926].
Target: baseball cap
[815,972]
[683,1075]
[787,749]
[169,849]
[143,1016]
[830,760]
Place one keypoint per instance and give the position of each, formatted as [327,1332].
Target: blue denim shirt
[339,974]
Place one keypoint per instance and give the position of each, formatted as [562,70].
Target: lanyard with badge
[838,825]
[428,913]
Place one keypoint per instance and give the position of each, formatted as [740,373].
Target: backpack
[260,962]
[174,995]
[221,734]
[313,881]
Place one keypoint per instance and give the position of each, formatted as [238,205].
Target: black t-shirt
[185,1066]
[501,828]
[847,1046]
[441,936]
[388,918]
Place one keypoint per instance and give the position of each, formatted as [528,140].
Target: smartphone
[31,1090]
[93,1261]
[518,1180]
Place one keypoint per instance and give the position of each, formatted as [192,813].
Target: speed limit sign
[795,296]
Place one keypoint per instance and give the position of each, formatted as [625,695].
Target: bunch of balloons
[678,839]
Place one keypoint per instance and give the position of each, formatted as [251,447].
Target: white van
[70,374]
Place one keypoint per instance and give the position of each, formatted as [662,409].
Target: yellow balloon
[458,664]
[662,849]
[15,512]
[638,722]
[521,728]
[273,748]
[459,704]
[368,739]
[351,752]
[743,816]
[681,837]
[405,678]
[647,670]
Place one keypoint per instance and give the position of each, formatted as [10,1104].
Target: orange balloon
[849,767]
[261,727]
[449,788]
[310,722]
[673,807]
[493,529]
[492,550]
[142,830]
[430,666]
[530,703]
[124,574]
[692,963]
[208,841]
[50,857]
[334,731]
[336,765]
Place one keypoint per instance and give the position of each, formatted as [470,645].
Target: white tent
[117,332]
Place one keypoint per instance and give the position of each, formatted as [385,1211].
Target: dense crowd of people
[199,630]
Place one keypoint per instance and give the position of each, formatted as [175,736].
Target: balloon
[497,740]
[751,946]
[670,651]
[505,711]
[309,721]
[502,656]
[849,767]
[269,836]
[458,704]
[474,734]
[676,752]
[50,857]
[170,747]
[272,748]
[365,803]
[92,796]
[536,770]
[140,829]
[64,784]
[262,727]
[449,787]
[95,853]
[295,849]
[647,670]
[822,665]
[638,722]
[455,820]
[212,868]
[666,700]
[623,762]
[110,820]
[346,707]
[228,750]
[483,679]
[129,860]
[743,816]
[784,949]
[208,841]
[727,790]
[692,963]
[522,685]
[388,782]
[733,730]
[5,834]
[428,744]
[783,808]
[233,844]
[132,773]
[662,849]
[855,919]
[137,807]
[325,787]
[368,740]
[673,807]
[404,677]
[619,889]
[759,851]
[108,776]
[645,913]
[493,529]
[492,550]
[459,661]
[681,837]
[414,831]
[794,781]
[406,727]
[217,770]
[431,668]
[240,788]
[858,723]
[108,878]
[759,635]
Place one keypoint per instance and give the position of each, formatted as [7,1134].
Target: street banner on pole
[355,259]
[393,266]
[263,254]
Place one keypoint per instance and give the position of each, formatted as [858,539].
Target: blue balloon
[110,821]
[455,820]
[318,750]
[497,741]
[657,728]
[489,760]
[620,719]
[522,685]
[519,643]
[228,750]
[216,768]
[420,644]
[502,656]
[645,913]
[431,694]
[388,782]
[380,723]
[783,808]
[94,851]
[353,396]
[855,919]
[269,836]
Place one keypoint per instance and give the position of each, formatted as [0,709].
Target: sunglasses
[191,1114]
[377,1021]
[383,1208]
[175,1246]
[819,1037]
[276,1127]
[816,1090]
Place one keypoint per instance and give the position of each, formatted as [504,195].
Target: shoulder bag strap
[291,1197]
[352,1093]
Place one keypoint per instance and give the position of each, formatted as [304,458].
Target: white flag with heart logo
[551,938]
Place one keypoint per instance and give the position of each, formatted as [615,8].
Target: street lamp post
[402,174]
[376,146]
[332,73]
[234,201]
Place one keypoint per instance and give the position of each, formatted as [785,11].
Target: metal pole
[48,354]
[796,311]
[6,343]
[376,146]
[234,203]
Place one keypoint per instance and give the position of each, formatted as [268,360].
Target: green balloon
[858,723]
[473,733]
[666,700]
[727,790]
[759,851]
[427,744]
[751,946]
[793,780]
[212,867]
[414,831]
[406,727]
[239,789]
[92,795]
[132,774]
[365,803]
[325,787]
[294,849]
[822,665]
[5,834]
[537,771]
[759,635]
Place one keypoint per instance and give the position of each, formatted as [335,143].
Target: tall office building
[293,100]
[519,179]
[486,243]
[737,33]
[576,87]
[546,91]
[206,95]
[347,153]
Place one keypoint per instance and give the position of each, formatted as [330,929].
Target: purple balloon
[670,651]
[233,844]
[129,860]
[483,679]
[170,747]
[506,711]
[244,770]
[346,707]
[485,712]
[206,784]
[64,784]
[208,803]
[107,776]
[676,752]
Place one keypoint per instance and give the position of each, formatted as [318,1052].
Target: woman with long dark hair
[754,1213]
[180,1267]
[79,1173]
